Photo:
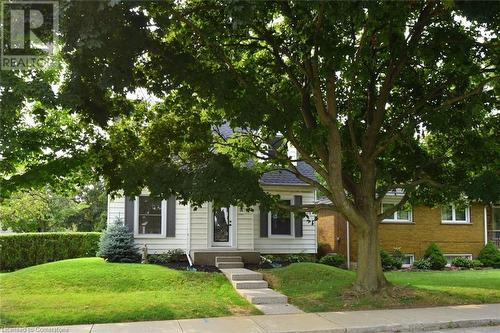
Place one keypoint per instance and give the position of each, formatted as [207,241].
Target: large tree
[373,95]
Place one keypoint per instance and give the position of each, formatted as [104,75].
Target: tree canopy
[373,95]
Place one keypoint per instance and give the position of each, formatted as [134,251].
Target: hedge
[29,249]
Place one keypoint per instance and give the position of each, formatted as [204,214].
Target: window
[150,216]
[403,215]
[408,260]
[450,257]
[281,221]
[454,214]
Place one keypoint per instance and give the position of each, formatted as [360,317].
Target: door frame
[233,212]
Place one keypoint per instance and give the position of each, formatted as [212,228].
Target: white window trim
[412,260]
[394,218]
[292,221]
[454,220]
[456,255]
[163,233]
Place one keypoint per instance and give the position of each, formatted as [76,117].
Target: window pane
[407,260]
[460,214]
[221,225]
[386,206]
[446,213]
[281,222]
[149,224]
[148,205]
[149,215]
[404,215]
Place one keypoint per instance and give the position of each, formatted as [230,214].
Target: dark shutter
[263,222]
[129,213]
[298,219]
[171,217]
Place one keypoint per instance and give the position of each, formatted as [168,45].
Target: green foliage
[117,244]
[336,260]
[435,256]
[391,261]
[476,263]
[422,264]
[175,255]
[286,259]
[490,256]
[43,209]
[463,262]
[29,249]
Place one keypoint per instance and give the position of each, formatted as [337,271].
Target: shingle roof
[281,177]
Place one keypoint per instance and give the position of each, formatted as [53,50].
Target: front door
[221,227]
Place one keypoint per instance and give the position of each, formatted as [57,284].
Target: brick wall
[426,228]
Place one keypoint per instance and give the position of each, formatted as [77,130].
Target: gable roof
[278,177]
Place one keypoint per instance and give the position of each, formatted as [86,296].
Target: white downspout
[348,248]
[485,225]
[188,235]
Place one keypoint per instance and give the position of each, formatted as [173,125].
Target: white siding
[116,209]
[244,224]
[305,244]
[199,227]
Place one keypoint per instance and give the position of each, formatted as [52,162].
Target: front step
[224,265]
[263,296]
[228,259]
[250,284]
[241,274]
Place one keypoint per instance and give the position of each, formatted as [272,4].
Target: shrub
[462,262]
[435,257]
[422,264]
[175,255]
[29,249]
[391,261]
[117,245]
[476,263]
[294,258]
[333,259]
[490,256]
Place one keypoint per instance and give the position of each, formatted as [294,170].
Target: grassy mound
[90,290]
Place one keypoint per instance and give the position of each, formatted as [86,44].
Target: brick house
[458,231]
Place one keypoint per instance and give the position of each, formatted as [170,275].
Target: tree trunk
[369,277]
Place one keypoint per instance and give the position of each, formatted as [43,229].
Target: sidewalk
[400,320]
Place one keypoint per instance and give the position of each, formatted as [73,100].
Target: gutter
[188,236]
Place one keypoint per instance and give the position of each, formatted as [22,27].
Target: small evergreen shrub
[167,257]
[435,257]
[477,263]
[29,249]
[422,264]
[462,262]
[294,258]
[333,259]
[117,245]
[391,261]
[490,256]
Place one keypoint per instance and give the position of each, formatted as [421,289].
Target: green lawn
[316,287]
[89,290]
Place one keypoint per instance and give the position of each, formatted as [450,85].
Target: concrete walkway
[401,320]
[252,286]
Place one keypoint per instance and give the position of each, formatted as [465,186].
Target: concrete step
[222,265]
[263,296]
[273,309]
[250,284]
[241,274]
[228,259]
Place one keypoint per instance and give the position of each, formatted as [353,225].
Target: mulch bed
[183,266]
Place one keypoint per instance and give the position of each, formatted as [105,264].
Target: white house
[206,232]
